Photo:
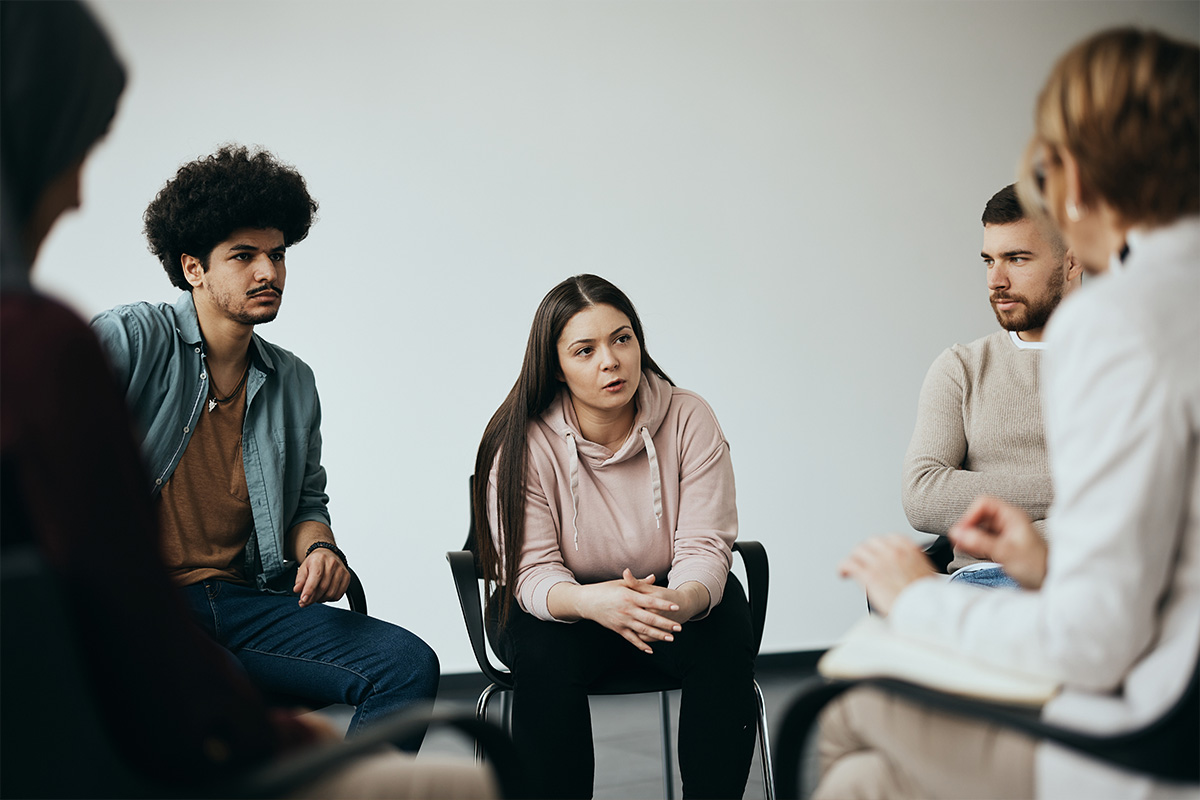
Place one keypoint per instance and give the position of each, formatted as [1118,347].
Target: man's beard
[260,318]
[246,317]
[1030,315]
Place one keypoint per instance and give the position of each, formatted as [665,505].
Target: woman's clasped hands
[635,608]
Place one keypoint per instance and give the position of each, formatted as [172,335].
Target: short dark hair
[1004,208]
[211,197]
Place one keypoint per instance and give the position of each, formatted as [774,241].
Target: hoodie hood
[653,398]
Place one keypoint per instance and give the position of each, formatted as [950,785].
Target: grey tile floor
[626,733]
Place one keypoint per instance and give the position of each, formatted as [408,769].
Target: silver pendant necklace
[216,399]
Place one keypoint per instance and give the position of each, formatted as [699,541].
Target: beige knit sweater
[979,431]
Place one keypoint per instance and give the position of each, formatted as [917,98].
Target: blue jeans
[324,654]
[993,577]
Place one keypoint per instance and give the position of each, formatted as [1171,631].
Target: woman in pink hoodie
[613,491]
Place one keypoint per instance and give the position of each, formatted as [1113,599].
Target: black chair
[941,552]
[355,595]
[464,565]
[1165,748]
[54,741]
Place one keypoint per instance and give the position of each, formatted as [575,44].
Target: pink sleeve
[707,525]
[541,562]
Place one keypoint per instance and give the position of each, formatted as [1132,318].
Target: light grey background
[789,192]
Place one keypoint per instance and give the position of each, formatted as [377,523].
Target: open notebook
[871,650]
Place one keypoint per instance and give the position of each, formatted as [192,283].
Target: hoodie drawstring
[573,468]
[655,477]
[573,461]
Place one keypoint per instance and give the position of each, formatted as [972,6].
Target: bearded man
[979,418]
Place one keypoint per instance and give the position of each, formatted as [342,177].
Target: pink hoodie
[662,503]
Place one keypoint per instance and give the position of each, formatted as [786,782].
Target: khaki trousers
[390,773]
[874,745]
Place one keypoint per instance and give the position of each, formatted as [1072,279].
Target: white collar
[1177,241]
[1024,345]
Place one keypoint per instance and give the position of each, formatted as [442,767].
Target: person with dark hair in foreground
[979,417]
[604,497]
[1111,611]
[176,707]
[233,440]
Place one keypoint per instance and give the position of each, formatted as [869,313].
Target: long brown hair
[505,440]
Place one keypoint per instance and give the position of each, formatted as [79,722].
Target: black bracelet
[337,551]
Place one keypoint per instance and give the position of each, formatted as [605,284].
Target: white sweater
[1117,620]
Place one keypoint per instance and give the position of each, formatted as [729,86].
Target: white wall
[789,192]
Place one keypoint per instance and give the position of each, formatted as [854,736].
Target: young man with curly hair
[232,436]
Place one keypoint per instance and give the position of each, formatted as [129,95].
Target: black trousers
[554,664]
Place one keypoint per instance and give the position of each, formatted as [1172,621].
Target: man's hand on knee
[321,577]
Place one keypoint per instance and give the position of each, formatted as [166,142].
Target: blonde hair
[1125,104]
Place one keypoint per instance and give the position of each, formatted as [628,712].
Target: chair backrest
[465,569]
[468,574]
[356,596]
[53,740]
[1166,748]
[941,552]
[758,584]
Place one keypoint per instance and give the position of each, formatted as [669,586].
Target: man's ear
[1074,265]
[193,270]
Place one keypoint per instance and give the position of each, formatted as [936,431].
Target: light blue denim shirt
[159,356]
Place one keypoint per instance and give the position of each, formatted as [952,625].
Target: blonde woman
[1112,611]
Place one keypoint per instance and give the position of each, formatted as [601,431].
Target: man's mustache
[270,287]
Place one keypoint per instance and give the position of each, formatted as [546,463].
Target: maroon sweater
[73,484]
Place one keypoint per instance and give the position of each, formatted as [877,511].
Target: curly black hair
[210,198]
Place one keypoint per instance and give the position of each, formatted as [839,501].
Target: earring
[1073,212]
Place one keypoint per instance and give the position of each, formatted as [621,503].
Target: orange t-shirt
[204,508]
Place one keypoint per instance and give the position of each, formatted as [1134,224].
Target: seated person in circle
[613,492]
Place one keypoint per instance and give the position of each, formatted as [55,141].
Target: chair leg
[668,757]
[481,709]
[764,741]
[764,745]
